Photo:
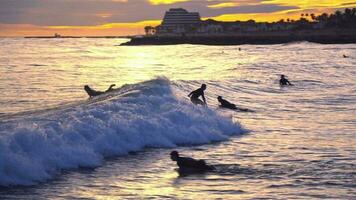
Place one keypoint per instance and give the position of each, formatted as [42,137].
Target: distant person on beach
[187,164]
[93,93]
[226,104]
[194,96]
[283,81]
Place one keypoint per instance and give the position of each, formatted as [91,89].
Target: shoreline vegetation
[322,37]
[335,28]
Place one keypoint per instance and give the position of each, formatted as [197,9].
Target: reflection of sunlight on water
[301,137]
[65,66]
[159,188]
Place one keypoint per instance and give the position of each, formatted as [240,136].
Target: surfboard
[237,109]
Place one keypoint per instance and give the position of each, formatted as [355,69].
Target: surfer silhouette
[91,92]
[189,165]
[194,96]
[283,81]
[226,104]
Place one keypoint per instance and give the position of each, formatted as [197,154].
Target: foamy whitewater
[34,148]
[56,143]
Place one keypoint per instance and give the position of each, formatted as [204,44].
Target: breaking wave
[37,146]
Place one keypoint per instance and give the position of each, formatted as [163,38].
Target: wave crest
[148,114]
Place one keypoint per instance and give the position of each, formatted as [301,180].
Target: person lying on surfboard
[93,93]
[189,165]
[194,96]
[226,104]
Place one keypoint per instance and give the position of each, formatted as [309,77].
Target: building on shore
[178,21]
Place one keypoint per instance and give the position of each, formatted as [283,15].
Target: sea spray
[35,148]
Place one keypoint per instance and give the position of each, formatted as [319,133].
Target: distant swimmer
[93,93]
[187,164]
[345,56]
[226,104]
[283,81]
[194,96]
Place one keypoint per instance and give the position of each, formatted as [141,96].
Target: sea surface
[56,143]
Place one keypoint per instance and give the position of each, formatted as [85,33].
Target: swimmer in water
[93,93]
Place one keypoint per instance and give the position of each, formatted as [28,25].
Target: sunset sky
[128,17]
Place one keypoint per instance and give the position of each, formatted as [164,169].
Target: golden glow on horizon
[301,4]
[111,29]
[134,28]
[232,3]
[265,17]
[310,4]
[223,5]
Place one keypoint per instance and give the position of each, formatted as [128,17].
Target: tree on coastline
[345,20]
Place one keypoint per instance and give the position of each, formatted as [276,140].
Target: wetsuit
[194,96]
[284,81]
[226,104]
[186,163]
[92,92]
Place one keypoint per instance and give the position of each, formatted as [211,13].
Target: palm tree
[353,12]
[348,12]
[312,15]
[322,18]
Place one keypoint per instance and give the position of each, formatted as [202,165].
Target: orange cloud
[223,5]
[233,3]
[158,2]
[312,3]
[112,29]
[271,17]
[120,29]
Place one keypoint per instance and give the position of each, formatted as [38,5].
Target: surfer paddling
[194,96]
[189,165]
[92,93]
[283,81]
[226,104]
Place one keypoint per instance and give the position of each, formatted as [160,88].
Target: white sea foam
[35,148]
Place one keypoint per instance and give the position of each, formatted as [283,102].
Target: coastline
[61,37]
[265,38]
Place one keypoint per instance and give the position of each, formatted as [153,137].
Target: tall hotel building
[178,21]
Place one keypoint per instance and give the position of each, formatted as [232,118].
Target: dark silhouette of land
[49,37]
[335,28]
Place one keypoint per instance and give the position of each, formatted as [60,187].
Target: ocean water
[55,143]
